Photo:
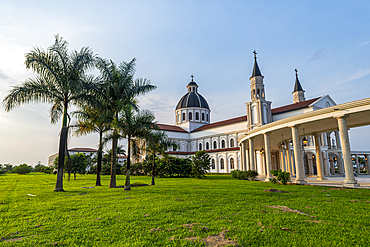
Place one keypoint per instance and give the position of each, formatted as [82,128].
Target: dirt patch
[337,188]
[219,240]
[155,229]
[189,226]
[213,240]
[276,191]
[14,239]
[286,209]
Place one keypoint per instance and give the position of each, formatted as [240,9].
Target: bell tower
[258,110]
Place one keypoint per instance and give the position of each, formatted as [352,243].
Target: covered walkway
[275,136]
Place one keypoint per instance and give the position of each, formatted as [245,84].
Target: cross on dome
[192,77]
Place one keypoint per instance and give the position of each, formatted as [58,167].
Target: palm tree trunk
[62,147]
[153,168]
[128,182]
[113,161]
[100,156]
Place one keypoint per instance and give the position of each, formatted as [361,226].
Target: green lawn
[178,208]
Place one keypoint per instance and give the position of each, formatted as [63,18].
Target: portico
[335,118]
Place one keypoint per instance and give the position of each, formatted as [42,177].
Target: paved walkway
[363,181]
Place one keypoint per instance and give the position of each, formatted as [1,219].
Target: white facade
[220,139]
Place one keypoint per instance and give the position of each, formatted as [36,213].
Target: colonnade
[292,160]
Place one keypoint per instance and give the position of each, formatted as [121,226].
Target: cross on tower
[255,54]
[296,72]
[192,77]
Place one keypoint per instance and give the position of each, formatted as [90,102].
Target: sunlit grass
[155,215]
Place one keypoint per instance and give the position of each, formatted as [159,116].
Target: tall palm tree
[94,119]
[120,91]
[133,125]
[61,81]
[156,143]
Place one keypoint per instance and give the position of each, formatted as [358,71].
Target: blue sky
[328,41]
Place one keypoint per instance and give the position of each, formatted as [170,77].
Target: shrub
[243,175]
[252,174]
[201,163]
[22,169]
[282,177]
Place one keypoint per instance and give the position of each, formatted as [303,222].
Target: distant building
[85,151]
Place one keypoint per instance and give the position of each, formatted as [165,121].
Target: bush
[243,175]
[22,169]
[201,163]
[282,177]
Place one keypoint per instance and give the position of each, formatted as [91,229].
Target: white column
[251,155]
[281,154]
[227,163]
[331,161]
[242,156]
[325,162]
[340,164]
[297,156]
[287,158]
[357,164]
[247,160]
[319,163]
[217,164]
[337,139]
[268,156]
[367,163]
[346,151]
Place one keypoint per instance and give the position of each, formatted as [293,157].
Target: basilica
[264,138]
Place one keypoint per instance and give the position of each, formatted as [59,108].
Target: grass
[157,215]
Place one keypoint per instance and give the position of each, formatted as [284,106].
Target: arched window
[214,145]
[183,116]
[174,148]
[200,146]
[263,93]
[232,163]
[190,89]
[207,145]
[207,117]
[190,116]
[258,93]
[231,143]
[197,116]
[202,116]
[222,164]
[223,144]
[254,93]
[213,164]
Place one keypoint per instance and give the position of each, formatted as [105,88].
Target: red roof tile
[221,123]
[83,150]
[294,106]
[121,157]
[207,151]
[170,128]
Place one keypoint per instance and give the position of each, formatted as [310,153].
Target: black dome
[192,99]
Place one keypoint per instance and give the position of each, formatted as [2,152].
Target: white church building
[265,138]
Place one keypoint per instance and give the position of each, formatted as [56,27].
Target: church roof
[294,106]
[192,99]
[222,123]
[168,127]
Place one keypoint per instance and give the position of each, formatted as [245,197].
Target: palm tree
[98,120]
[133,125]
[120,91]
[61,81]
[156,142]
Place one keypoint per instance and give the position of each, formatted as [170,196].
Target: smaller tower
[259,109]
[298,93]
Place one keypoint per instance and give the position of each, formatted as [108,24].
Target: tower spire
[297,86]
[256,69]
[298,93]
